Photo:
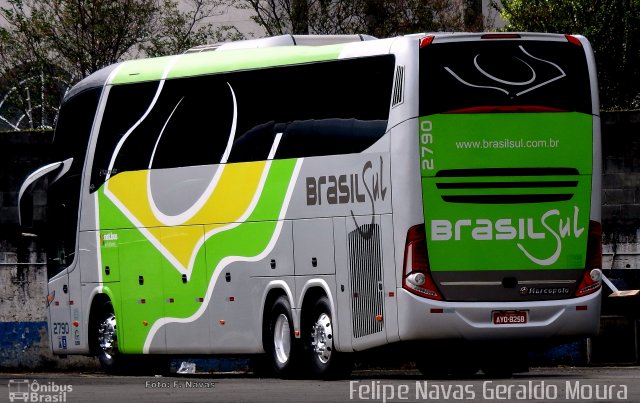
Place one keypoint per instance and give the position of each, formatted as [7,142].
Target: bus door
[62,213]
[59,238]
[59,313]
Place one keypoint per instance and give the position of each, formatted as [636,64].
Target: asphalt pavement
[558,384]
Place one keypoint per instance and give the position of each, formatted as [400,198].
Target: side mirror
[25,204]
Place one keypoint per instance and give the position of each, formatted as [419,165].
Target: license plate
[510,317]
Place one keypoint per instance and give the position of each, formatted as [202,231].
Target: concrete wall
[20,154]
[23,337]
[24,341]
[621,190]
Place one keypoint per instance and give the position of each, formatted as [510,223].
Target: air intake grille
[365,270]
[507,185]
[398,87]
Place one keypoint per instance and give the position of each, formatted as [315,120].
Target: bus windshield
[518,74]
[70,141]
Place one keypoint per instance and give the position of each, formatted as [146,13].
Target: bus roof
[194,64]
[219,58]
[210,62]
[236,56]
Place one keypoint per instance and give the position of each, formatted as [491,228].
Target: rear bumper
[473,320]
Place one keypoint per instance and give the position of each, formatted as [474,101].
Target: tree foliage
[46,45]
[613,28]
[179,30]
[82,36]
[380,18]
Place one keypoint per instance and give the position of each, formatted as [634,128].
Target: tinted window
[74,127]
[328,136]
[307,138]
[462,75]
[125,106]
[320,108]
[194,130]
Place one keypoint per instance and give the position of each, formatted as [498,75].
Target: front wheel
[112,361]
[106,339]
[325,362]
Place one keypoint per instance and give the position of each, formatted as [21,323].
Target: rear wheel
[282,346]
[325,361]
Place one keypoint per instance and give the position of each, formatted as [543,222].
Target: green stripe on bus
[211,62]
[139,257]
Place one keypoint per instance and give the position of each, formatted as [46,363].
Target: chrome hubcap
[107,336]
[322,338]
[282,338]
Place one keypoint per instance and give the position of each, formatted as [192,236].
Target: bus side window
[190,123]
[196,130]
[310,138]
[255,144]
[319,109]
[126,104]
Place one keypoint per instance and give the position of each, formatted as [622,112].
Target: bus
[304,198]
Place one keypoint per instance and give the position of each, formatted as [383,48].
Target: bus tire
[281,345]
[324,361]
[106,340]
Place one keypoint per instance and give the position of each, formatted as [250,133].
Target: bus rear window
[506,75]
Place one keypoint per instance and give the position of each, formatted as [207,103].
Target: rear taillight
[592,276]
[417,277]
[426,41]
[573,40]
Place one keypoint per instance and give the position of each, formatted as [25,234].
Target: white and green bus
[303,201]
